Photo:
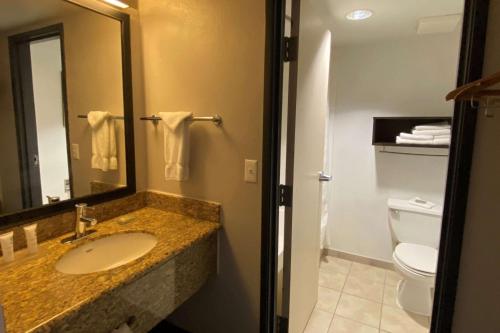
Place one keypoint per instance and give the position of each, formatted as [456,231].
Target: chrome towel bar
[84,116]
[215,119]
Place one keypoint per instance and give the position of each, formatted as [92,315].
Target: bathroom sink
[106,253]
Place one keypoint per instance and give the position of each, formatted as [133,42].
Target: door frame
[23,102]
[457,184]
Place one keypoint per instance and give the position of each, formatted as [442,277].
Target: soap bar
[126,219]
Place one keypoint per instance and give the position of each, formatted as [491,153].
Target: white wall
[387,78]
[46,69]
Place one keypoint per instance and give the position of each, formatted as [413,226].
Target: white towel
[400,140]
[435,126]
[443,141]
[103,140]
[432,132]
[415,136]
[176,144]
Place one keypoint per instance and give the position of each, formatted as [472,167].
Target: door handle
[324,177]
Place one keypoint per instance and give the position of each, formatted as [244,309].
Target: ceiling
[392,19]
[18,13]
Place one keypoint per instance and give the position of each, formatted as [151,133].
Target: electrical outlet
[251,171]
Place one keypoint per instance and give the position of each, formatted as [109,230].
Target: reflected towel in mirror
[103,140]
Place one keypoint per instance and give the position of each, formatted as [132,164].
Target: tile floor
[358,298]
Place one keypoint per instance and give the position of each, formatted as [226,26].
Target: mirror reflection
[61,103]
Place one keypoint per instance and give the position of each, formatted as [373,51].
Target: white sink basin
[106,253]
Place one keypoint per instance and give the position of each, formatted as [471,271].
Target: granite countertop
[33,292]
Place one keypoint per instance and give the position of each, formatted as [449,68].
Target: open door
[39,93]
[306,118]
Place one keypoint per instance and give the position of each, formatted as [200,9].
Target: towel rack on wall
[84,116]
[216,119]
[478,91]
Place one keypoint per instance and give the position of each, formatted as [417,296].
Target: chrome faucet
[82,221]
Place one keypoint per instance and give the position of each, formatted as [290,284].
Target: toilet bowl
[417,264]
[416,233]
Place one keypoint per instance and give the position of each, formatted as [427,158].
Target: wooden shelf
[385,130]
[393,144]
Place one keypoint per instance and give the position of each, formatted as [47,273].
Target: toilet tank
[413,224]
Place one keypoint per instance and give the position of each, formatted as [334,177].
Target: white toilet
[416,232]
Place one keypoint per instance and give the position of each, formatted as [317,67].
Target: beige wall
[476,308]
[94,83]
[207,56]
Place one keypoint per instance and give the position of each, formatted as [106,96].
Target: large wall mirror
[65,106]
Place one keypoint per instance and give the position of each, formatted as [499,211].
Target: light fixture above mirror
[117,3]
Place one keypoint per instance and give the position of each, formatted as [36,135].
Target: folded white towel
[433,126]
[400,140]
[432,132]
[176,144]
[103,140]
[415,136]
[447,136]
[421,203]
[445,141]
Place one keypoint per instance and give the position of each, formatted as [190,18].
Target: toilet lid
[418,257]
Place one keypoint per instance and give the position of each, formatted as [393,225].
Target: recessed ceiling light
[359,14]
[117,3]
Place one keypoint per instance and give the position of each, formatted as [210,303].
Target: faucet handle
[89,220]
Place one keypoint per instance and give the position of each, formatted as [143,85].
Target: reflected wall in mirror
[62,132]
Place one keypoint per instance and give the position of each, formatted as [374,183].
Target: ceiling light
[359,14]
[117,3]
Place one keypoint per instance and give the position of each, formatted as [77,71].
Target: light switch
[75,151]
[251,171]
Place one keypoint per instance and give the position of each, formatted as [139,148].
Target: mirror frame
[25,215]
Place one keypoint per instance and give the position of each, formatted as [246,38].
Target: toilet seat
[419,259]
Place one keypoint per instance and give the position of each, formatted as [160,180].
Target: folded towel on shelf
[176,144]
[421,203]
[447,136]
[103,140]
[433,132]
[444,141]
[434,126]
[415,136]
[400,140]
[437,142]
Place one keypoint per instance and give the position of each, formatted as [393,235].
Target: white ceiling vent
[438,24]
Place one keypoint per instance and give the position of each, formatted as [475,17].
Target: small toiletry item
[7,243]
[30,232]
